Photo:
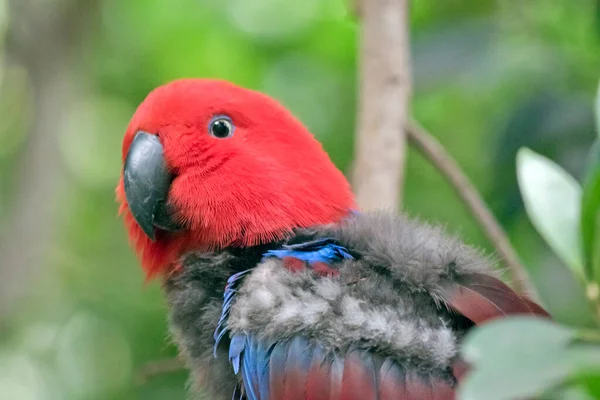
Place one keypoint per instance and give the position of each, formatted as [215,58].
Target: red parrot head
[207,165]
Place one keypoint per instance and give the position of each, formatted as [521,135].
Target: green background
[489,76]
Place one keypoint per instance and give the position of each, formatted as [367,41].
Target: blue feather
[249,361]
[321,250]
[319,357]
[264,383]
[299,355]
[255,368]
[236,347]
[278,359]
[261,364]
[230,290]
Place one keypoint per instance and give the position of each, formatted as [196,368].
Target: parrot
[278,286]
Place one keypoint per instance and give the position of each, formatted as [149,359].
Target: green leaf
[552,200]
[571,393]
[590,214]
[590,382]
[523,357]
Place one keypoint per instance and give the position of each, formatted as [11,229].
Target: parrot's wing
[298,369]
[387,299]
[423,258]
[481,298]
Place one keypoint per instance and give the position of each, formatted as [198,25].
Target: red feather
[536,308]
[324,269]
[416,388]
[459,368]
[358,382]
[319,379]
[294,264]
[391,383]
[394,385]
[277,366]
[482,298]
[295,384]
[337,373]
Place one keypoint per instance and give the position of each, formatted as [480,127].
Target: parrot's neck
[209,271]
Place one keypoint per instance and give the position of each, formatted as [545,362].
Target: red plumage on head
[271,176]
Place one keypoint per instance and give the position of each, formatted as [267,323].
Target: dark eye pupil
[220,129]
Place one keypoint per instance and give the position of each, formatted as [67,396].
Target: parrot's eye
[221,127]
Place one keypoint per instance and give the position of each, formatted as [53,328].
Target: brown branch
[429,146]
[152,369]
[385,89]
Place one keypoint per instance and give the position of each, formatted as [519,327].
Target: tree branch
[428,145]
[385,89]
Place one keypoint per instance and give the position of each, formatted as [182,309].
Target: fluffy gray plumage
[386,300]
[275,303]
[195,298]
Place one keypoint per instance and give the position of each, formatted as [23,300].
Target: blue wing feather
[228,296]
[250,361]
[300,354]
[277,369]
[264,368]
[236,347]
[325,250]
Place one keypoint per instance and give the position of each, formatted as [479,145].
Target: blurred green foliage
[490,77]
[545,358]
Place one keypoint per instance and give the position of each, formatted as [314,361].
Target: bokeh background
[77,320]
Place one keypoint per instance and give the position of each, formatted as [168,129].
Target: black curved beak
[147,182]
